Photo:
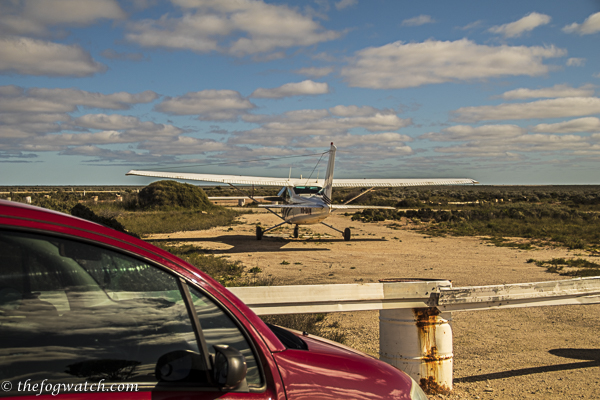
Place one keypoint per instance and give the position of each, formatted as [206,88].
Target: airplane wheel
[259,233]
[296,232]
[347,234]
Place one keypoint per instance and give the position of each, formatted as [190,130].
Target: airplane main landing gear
[259,233]
[296,234]
[347,234]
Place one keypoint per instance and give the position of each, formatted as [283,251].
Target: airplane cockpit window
[306,190]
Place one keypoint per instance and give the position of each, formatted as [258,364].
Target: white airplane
[306,201]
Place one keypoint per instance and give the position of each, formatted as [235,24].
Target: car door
[78,317]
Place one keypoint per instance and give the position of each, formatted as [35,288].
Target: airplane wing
[233,179]
[400,182]
[280,182]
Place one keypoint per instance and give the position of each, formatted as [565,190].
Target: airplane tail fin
[328,184]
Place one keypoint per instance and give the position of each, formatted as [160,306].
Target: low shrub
[171,195]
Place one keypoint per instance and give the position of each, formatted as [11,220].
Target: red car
[89,312]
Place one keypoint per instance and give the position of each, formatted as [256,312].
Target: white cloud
[576,62]
[399,65]
[183,145]
[37,119]
[514,142]
[237,27]
[472,25]
[588,124]
[133,128]
[355,111]
[33,17]
[36,57]
[14,99]
[299,126]
[418,21]
[340,5]
[58,142]
[552,108]
[589,26]
[365,148]
[23,125]
[103,155]
[304,88]
[315,72]
[525,24]
[107,122]
[559,90]
[209,105]
[466,133]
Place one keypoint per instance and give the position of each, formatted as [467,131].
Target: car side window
[219,328]
[72,313]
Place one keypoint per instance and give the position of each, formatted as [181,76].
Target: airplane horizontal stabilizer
[291,205]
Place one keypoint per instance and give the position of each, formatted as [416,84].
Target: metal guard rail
[408,293]
[415,334]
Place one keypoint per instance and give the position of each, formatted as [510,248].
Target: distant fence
[414,315]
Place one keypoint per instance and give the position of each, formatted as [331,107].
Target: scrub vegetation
[573,267]
[566,216]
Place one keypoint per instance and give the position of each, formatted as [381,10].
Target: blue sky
[501,92]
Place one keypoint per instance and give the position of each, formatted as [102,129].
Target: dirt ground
[526,353]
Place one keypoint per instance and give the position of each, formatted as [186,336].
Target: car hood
[329,370]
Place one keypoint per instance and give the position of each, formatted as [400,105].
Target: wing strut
[273,227]
[335,229]
[361,194]
[252,198]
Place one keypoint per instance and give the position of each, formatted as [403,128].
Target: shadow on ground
[269,243]
[591,357]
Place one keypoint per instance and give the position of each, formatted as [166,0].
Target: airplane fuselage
[305,215]
[308,207]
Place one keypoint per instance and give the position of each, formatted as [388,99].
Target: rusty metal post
[419,342]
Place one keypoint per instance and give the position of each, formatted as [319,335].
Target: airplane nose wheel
[347,234]
[259,233]
[296,232]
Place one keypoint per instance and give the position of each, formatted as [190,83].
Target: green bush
[171,195]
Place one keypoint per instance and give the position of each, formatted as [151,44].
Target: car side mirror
[229,368]
[180,366]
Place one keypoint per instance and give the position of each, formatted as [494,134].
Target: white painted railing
[414,315]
